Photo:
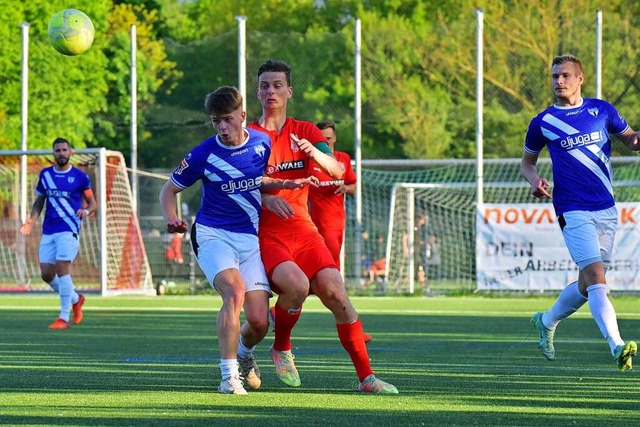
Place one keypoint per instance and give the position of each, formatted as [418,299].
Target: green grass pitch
[456,361]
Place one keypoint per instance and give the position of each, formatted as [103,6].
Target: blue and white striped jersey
[580,148]
[231,179]
[64,191]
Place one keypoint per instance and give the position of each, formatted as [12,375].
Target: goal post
[435,242]
[111,260]
[430,241]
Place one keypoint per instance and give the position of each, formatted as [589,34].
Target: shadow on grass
[456,370]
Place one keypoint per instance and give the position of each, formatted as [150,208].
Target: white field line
[310,310]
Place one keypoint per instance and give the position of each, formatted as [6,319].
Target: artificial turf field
[456,361]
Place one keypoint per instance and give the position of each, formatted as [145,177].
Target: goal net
[430,242]
[111,257]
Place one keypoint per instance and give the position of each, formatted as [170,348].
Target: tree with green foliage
[84,98]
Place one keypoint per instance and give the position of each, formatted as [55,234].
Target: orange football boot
[77,310]
[59,324]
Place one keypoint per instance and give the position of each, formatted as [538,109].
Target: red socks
[350,335]
[285,322]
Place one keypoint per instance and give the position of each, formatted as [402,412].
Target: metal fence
[421,100]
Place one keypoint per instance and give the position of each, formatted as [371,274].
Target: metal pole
[134,121]
[22,249]
[599,54]
[242,59]
[25,119]
[479,105]
[102,214]
[358,152]
[411,239]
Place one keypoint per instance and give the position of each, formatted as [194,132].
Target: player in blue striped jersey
[69,200]
[576,131]
[231,165]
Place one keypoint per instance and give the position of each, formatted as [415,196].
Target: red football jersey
[287,161]
[327,208]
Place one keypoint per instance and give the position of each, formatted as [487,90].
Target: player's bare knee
[332,293]
[232,296]
[48,276]
[260,326]
[295,291]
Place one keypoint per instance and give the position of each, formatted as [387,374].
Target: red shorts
[304,247]
[333,239]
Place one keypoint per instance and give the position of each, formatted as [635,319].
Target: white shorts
[218,250]
[589,235]
[58,247]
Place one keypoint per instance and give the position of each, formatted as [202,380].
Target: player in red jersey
[294,254]
[326,201]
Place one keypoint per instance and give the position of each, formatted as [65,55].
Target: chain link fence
[418,93]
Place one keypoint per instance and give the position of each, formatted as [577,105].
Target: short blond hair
[563,59]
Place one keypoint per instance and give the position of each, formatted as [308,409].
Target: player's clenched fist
[177,226]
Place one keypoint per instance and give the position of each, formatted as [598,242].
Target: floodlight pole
[357,151]
[21,247]
[242,59]
[25,118]
[134,121]
[599,54]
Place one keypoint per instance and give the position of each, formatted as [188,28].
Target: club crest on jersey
[259,149]
[182,166]
[294,146]
[70,180]
[593,111]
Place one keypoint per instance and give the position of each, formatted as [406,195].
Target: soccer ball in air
[71,32]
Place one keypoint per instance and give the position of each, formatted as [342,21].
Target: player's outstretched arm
[28,225]
[631,139]
[274,184]
[170,208]
[528,168]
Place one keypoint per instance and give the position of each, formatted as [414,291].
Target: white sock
[243,350]
[54,284]
[65,289]
[229,368]
[568,302]
[604,314]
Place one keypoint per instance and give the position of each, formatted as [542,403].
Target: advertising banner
[520,247]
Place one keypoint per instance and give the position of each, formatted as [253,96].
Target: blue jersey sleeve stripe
[530,151]
[176,183]
[620,133]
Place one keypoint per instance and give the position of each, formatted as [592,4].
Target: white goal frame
[107,283]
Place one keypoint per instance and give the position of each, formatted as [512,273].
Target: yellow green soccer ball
[71,32]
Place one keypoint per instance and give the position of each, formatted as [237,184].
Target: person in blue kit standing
[576,132]
[224,237]
[69,200]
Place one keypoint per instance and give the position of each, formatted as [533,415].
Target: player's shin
[351,337]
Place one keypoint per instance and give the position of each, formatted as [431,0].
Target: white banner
[520,247]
